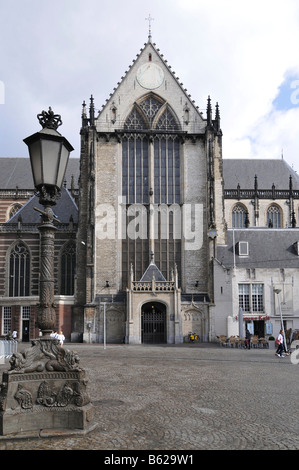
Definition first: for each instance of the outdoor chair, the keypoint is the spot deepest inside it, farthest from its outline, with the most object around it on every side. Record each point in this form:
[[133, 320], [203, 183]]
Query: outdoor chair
[[223, 340]]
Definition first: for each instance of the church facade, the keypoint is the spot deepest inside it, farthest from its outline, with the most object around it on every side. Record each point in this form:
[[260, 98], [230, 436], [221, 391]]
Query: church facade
[[159, 236], [150, 204]]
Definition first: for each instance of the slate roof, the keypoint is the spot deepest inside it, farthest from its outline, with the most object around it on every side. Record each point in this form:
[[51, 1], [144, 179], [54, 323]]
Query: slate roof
[[63, 210], [17, 172], [268, 248], [268, 171]]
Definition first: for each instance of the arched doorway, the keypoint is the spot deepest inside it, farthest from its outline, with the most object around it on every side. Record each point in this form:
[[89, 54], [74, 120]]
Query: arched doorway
[[153, 323]]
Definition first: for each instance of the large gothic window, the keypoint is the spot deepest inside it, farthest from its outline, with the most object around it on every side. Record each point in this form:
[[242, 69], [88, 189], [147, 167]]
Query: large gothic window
[[166, 170], [150, 165], [135, 169], [19, 271], [68, 266]]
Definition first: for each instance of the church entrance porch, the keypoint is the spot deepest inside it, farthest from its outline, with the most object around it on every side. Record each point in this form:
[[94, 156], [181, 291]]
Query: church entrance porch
[[153, 323], [153, 306]]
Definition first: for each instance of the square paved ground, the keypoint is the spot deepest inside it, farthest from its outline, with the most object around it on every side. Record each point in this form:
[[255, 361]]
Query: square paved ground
[[184, 397]]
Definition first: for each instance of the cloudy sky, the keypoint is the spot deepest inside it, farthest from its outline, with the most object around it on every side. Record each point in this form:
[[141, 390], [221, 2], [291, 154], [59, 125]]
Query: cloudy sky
[[244, 54]]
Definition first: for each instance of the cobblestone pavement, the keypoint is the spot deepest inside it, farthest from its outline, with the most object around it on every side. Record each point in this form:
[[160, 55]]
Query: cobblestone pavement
[[183, 397]]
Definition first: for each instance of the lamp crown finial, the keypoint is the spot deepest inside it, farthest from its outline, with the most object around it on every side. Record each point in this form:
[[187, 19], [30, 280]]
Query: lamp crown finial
[[49, 120]]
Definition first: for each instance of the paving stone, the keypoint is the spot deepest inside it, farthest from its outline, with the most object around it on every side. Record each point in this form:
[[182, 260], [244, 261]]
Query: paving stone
[[183, 397]]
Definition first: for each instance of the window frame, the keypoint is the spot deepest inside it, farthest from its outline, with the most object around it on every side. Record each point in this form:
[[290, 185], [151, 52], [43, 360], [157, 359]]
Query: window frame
[[251, 297]]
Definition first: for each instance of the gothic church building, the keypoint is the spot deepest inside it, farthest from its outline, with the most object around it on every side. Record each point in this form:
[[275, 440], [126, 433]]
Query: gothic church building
[[150, 205], [158, 235]]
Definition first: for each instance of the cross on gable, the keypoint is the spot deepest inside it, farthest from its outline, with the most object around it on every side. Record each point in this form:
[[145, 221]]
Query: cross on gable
[[149, 19]]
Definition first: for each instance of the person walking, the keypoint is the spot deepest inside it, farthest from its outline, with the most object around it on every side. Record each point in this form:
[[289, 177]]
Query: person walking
[[248, 338], [280, 348]]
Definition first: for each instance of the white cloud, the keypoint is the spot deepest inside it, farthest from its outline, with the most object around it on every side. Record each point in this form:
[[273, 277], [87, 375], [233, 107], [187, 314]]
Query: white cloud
[[59, 53]]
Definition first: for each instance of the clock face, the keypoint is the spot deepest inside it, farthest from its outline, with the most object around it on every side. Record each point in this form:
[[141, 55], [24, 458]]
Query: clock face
[[150, 76]]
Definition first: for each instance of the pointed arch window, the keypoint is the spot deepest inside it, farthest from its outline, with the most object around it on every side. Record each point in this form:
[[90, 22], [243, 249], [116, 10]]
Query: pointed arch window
[[135, 121], [19, 271], [150, 168], [239, 216], [274, 216], [151, 106], [68, 267], [13, 210], [167, 121]]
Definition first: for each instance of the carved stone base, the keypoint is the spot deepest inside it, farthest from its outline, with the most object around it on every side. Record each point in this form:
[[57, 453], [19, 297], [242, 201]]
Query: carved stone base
[[46, 395]]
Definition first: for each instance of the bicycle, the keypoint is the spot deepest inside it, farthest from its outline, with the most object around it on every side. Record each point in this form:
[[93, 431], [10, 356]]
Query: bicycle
[[193, 337]]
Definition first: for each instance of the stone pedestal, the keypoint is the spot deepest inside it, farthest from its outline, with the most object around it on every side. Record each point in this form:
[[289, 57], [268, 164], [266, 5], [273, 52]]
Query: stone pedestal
[[44, 393]]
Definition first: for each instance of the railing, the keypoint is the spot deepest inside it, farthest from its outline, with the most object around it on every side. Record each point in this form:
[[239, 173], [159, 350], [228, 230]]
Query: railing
[[17, 227], [7, 348], [16, 193], [153, 286], [260, 193]]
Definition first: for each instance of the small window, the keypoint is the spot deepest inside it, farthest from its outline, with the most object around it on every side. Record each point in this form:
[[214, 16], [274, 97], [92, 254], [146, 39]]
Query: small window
[[242, 249], [296, 248], [6, 325], [13, 210], [26, 313], [150, 57]]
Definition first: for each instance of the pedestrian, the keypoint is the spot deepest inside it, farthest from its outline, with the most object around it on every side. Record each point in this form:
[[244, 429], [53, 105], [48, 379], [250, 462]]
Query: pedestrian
[[279, 341], [248, 338], [61, 338], [14, 335]]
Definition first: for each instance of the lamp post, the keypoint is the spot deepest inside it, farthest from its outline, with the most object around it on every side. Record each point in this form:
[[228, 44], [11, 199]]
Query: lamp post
[[104, 319], [49, 153], [277, 292], [44, 391]]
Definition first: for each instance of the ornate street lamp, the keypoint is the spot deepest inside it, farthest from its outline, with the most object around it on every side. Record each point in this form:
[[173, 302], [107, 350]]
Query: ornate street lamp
[[44, 391], [49, 153]]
